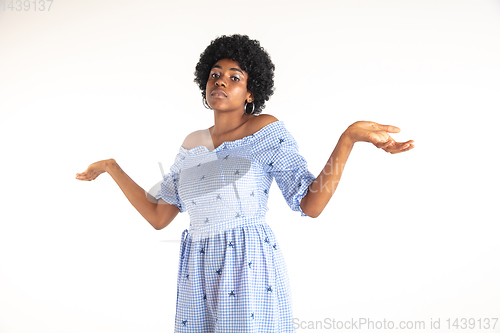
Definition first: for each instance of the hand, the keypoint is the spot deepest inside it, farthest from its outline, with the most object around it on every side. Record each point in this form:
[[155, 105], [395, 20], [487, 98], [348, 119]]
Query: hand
[[94, 170], [369, 131]]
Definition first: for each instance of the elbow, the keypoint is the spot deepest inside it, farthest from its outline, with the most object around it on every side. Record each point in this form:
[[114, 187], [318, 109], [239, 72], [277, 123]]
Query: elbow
[[164, 215], [155, 225], [160, 226], [309, 210], [162, 223], [312, 214]]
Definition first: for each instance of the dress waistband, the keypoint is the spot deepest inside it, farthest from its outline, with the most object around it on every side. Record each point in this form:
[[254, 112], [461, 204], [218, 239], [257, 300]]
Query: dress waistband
[[199, 232]]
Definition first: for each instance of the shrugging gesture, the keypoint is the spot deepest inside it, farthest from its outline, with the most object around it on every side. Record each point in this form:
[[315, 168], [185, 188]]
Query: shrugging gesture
[[93, 171], [322, 189], [369, 131]]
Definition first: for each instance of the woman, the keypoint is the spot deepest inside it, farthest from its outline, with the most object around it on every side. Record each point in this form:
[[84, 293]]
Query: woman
[[232, 275]]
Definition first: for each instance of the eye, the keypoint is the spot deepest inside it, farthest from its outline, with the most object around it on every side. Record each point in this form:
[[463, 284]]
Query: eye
[[236, 78], [214, 75]]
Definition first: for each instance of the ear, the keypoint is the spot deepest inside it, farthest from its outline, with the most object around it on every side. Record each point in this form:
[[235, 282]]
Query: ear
[[249, 98]]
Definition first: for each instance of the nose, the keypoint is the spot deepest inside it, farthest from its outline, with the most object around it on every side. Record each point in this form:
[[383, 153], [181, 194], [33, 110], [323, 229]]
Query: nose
[[220, 82]]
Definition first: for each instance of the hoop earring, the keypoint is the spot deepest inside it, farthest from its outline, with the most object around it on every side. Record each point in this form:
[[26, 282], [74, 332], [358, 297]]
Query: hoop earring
[[253, 108], [205, 103]]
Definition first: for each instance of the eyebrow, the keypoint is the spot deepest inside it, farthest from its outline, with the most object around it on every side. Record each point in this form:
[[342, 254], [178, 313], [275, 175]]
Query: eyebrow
[[231, 69]]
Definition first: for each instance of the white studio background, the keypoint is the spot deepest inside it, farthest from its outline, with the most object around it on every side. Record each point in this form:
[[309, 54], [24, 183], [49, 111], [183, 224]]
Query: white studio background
[[411, 236]]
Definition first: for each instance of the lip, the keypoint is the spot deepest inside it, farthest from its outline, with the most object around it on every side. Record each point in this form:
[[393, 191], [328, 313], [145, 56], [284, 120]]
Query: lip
[[218, 93]]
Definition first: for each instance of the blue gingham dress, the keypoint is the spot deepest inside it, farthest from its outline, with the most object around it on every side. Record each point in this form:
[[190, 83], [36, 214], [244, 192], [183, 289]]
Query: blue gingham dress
[[232, 275]]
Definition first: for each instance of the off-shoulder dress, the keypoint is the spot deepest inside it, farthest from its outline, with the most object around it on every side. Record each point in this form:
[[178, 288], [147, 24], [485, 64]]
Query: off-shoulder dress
[[232, 276]]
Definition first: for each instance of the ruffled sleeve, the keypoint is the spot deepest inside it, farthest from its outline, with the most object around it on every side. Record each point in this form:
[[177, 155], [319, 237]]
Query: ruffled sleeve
[[168, 188], [280, 157]]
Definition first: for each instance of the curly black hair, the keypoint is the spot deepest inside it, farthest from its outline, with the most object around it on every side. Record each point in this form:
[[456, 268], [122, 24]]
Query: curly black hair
[[251, 57]]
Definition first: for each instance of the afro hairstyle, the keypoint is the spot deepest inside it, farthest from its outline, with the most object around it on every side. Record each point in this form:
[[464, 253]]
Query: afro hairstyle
[[251, 57]]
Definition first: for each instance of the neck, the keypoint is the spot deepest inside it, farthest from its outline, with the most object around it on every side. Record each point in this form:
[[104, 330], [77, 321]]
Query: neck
[[228, 121]]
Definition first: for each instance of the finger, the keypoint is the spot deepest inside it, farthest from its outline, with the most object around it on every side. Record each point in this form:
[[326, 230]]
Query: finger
[[386, 144], [395, 147], [402, 145], [389, 128], [83, 176], [410, 147]]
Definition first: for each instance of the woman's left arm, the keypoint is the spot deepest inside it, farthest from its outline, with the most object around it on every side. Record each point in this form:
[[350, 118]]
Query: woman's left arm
[[322, 189]]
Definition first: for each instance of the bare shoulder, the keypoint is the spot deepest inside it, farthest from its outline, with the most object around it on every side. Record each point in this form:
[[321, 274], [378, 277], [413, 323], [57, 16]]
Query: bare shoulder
[[203, 137], [194, 139], [261, 121]]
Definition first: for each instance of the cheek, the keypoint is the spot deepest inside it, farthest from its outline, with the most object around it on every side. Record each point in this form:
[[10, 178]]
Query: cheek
[[242, 89], [242, 94], [208, 87]]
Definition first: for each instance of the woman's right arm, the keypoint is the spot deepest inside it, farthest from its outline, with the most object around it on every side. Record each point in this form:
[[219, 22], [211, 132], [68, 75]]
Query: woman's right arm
[[158, 214]]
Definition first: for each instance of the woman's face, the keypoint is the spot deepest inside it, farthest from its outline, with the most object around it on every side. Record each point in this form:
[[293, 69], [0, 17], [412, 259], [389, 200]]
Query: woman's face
[[227, 87]]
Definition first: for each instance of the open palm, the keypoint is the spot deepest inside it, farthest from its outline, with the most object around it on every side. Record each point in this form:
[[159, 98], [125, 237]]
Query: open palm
[[93, 170], [369, 131]]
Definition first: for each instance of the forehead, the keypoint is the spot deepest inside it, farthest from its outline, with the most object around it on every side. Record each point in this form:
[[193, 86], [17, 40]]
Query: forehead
[[227, 63]]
